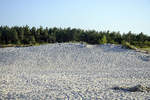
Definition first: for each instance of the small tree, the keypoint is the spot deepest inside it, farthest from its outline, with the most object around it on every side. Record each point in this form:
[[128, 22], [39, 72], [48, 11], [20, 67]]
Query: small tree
[[103, 40], [0, 36], [14, 36], [21, 34]]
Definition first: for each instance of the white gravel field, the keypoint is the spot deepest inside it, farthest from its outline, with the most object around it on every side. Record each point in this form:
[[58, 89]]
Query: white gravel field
[[72, 71]]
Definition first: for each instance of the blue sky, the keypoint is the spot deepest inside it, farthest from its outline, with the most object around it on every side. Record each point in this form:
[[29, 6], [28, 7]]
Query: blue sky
[[113, 15]]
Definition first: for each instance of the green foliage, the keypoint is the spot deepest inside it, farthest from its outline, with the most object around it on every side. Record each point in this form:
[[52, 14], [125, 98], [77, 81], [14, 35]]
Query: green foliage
[[103, 40], [127, 45], [51, 39], [0, 37], [26, 35], [14, 36], [147, 43]]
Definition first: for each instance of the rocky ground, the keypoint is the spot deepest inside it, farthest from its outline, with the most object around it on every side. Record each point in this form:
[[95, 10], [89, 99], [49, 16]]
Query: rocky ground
[[72, 71]]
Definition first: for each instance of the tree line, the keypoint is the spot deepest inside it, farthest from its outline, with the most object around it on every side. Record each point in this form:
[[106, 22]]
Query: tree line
[[33, 35]]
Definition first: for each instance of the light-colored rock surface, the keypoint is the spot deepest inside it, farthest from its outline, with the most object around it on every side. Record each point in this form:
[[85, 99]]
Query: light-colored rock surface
[[72, 72]]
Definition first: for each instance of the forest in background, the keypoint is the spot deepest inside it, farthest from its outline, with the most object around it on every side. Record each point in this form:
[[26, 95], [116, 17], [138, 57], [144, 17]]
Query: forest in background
[[25, 35]]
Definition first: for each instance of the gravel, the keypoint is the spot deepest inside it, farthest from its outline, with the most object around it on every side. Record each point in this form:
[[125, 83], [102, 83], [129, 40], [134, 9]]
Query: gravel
[[72, 71]]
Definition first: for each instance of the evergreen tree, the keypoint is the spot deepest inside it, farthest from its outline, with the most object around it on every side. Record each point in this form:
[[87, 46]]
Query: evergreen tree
[[14, 36], [21, 34], [0, 37], [31, 40]]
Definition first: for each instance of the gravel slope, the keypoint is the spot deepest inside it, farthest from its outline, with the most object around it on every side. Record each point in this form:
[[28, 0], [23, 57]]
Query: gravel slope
[[69, 71]]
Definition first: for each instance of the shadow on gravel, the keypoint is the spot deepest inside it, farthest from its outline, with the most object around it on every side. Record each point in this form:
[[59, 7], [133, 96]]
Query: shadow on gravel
[[115, 49], [137, 88], [145, 58]]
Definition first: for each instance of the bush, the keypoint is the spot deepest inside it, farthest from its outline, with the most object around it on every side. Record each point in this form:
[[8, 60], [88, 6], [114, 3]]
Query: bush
[[103, 40]]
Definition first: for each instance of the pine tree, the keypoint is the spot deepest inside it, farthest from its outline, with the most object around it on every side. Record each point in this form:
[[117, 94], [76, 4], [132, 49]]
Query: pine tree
[[0, 37], [14, 36]]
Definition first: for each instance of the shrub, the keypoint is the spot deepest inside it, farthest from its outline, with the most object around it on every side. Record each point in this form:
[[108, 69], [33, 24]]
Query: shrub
[[103, 40]]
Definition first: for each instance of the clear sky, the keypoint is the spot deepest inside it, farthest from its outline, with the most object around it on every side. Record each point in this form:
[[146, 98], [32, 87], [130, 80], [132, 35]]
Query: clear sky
[[113, 15]]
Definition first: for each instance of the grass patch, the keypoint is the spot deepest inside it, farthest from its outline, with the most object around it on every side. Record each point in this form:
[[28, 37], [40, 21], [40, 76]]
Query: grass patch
[[137, 48], [128, 45], [145, 48]]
